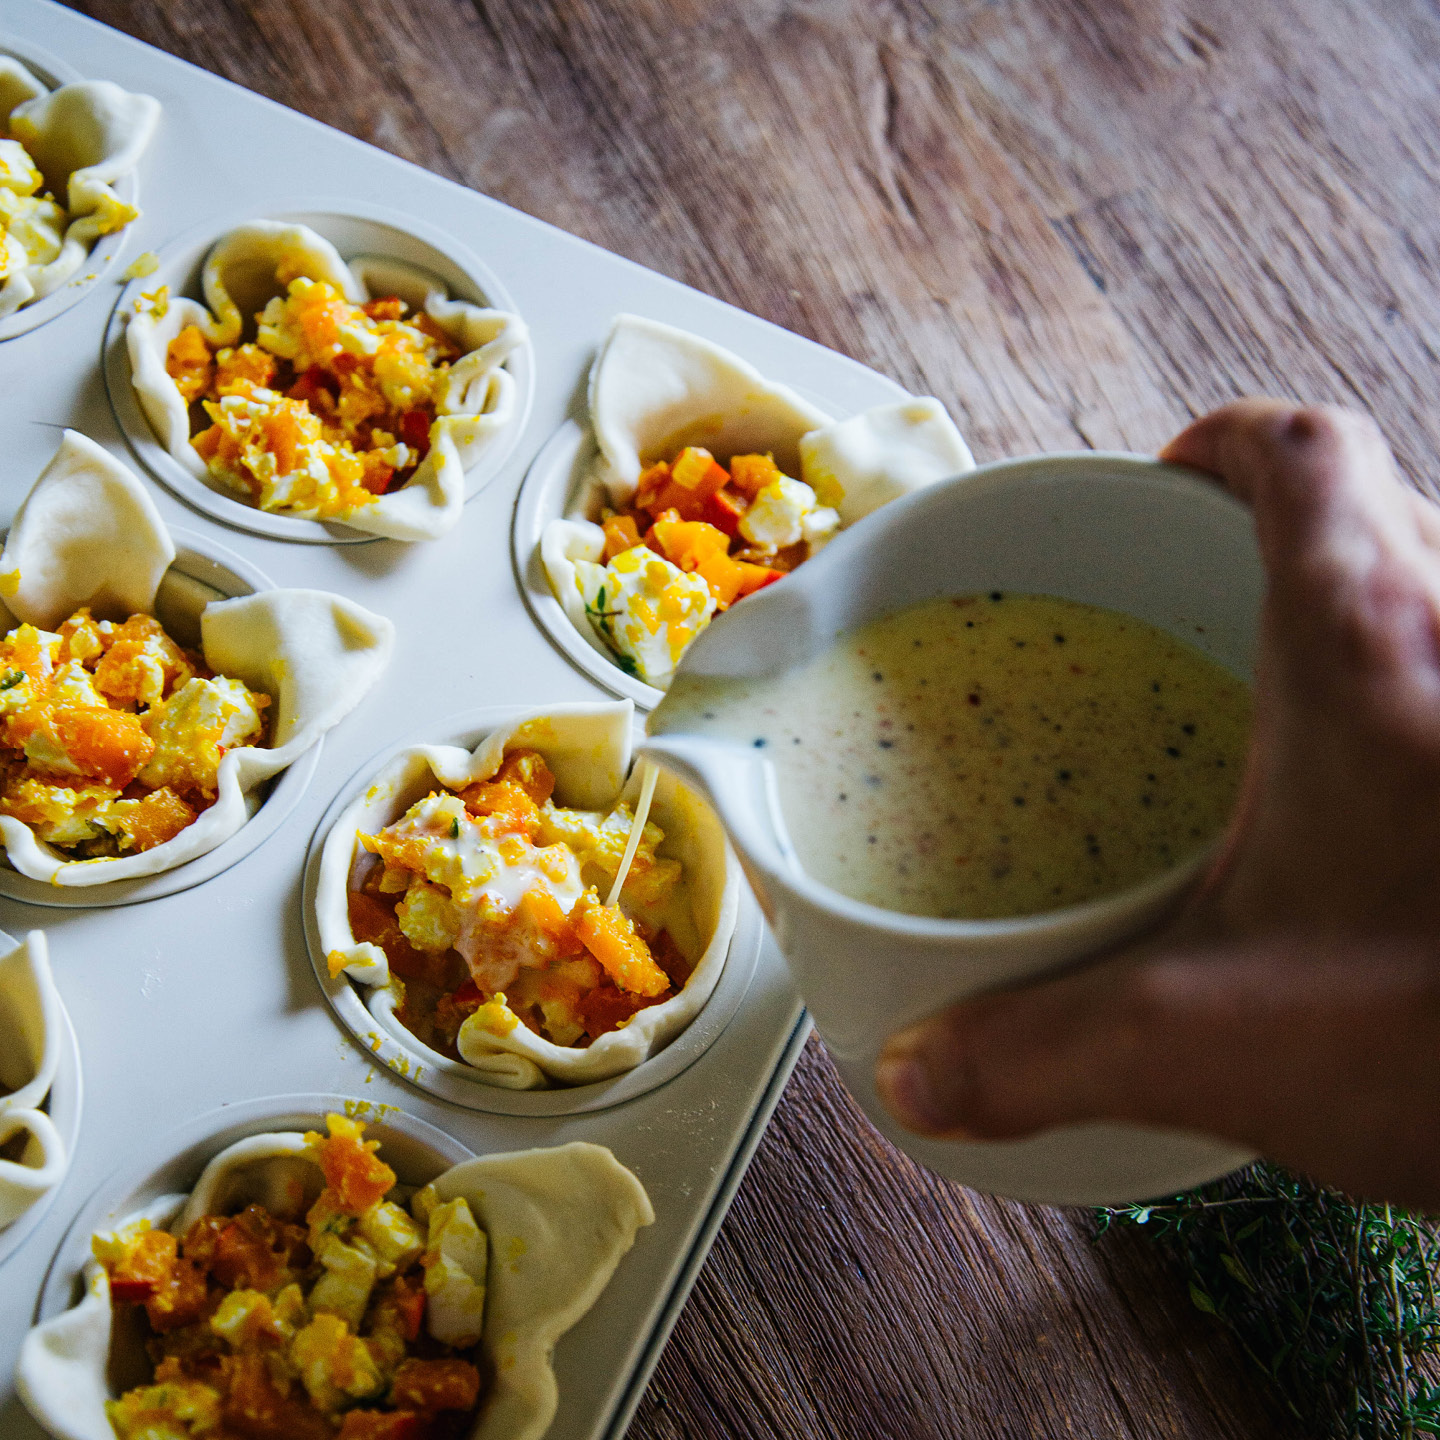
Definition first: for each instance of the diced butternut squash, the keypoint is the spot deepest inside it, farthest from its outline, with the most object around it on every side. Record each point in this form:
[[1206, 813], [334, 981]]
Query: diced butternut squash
[[724, 576], [144, 1263], [694, 469], [621, 534], [652, 480], [755, 577], [189, 364], [688, 543], [609, 935], [540, 913], [108, 745], [158, 817], [528, 770], [511, 809], [388, 307], [207, 442], [245, 365], [684, 485], [750, 474], [353, 1171]]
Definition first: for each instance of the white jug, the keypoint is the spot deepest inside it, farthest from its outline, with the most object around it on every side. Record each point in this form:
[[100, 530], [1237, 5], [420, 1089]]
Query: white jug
[[1118, 531]]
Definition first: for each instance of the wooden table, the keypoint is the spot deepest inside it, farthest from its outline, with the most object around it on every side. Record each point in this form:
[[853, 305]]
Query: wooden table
[[1077, 222]]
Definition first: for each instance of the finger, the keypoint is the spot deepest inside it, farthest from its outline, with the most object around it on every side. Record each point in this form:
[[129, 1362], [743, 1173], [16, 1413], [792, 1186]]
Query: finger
[[1324, 1059], [1309, 473], [1353, 583]]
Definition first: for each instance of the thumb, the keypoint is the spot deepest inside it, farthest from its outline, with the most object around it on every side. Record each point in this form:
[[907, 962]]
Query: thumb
[[1324, 1056], [1016, 1061]]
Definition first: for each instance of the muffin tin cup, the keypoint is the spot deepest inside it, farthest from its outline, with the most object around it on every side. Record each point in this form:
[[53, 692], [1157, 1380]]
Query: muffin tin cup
[[202, 559], [371, 1024], [558, 484], [63, 1106], [355, 230], [107, 250]]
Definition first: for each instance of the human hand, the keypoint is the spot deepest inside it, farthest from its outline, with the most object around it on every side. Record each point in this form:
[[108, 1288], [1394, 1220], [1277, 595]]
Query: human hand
[[1294, 1004]]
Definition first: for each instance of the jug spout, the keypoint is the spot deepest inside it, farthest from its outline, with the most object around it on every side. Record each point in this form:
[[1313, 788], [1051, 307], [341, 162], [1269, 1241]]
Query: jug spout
[[740, 786]]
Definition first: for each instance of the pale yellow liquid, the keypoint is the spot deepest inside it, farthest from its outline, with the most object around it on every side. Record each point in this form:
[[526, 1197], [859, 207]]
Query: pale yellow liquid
[[990, 755]]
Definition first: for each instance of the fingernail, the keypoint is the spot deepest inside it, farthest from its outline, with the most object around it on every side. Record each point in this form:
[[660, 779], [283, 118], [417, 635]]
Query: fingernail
[[907, 1089]]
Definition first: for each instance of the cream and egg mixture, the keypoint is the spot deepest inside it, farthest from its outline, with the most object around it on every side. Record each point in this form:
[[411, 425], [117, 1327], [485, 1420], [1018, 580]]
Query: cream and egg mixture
[[111, 735], [486, 904], [328, 409], [357, 1319], [990, 755]]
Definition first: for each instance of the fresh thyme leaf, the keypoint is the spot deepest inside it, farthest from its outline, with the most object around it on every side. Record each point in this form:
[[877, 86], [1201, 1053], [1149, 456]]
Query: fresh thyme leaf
[[1201, 1300], [12, 679], [1333, 1302], [454, 829]]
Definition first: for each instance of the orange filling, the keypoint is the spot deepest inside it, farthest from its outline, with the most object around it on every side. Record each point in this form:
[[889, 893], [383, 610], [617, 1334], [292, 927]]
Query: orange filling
[[587, 971], [80, 761], [238, 1351], [358, 423], [689, 509]]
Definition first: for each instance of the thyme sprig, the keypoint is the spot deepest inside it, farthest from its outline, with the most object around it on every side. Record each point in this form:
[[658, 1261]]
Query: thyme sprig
[[1333, 1302]]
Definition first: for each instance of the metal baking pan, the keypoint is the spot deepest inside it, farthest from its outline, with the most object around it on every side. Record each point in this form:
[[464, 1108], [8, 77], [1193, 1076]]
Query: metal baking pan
[[205, 996]]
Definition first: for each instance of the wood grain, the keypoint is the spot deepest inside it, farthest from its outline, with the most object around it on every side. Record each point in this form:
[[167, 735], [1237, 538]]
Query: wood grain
[[1078, 223]]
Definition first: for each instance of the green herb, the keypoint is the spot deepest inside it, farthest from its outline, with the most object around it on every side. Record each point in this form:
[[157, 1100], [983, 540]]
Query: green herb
[[1333, 1302], [12, 679], [454, 828], [603, 619]]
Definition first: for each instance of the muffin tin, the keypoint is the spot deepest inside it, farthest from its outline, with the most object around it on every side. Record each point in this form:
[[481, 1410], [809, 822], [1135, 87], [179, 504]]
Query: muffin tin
[[204, 997]]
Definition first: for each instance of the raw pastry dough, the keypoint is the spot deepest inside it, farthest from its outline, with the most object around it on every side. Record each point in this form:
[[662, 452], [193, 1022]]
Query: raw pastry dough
[[558, 1220], [587, 747], [255, 262], [655, 389], [84, 137], [882, 454], [88, 534]]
